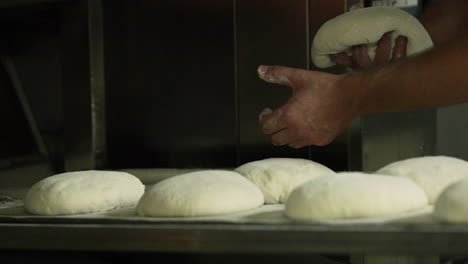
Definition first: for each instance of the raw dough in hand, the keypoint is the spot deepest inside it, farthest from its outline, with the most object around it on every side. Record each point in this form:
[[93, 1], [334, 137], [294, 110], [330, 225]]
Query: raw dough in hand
[[201, 193], [452, 204], [367, 26], [354, 195], [432, 173], [278, 177], [83, 192]]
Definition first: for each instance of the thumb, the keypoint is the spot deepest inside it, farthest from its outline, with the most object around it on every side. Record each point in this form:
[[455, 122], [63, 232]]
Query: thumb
[[282, 75]]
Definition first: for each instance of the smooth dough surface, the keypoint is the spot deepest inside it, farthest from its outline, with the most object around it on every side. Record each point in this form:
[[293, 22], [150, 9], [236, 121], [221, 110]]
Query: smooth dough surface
[[432, 173], [201, 193], [278, 177], [83, 192], [367, 26], [452, 204], [354, 195]]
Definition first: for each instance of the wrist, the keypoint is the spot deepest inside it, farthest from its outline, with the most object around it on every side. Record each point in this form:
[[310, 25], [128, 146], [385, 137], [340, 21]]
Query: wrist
[[354, 84]]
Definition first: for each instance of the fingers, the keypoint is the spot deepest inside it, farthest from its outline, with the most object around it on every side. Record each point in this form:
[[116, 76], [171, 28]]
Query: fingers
[[399, 51], [342, 59], [317, 141], [294, 140], [384, 47], [298, 144], [361, 57], [274, 122], [282, 75], [265, 111], [282, 137]]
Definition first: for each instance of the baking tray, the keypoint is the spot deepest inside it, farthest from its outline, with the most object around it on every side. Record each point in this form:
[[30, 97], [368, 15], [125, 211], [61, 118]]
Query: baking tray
[[265, 229], [262, 230]]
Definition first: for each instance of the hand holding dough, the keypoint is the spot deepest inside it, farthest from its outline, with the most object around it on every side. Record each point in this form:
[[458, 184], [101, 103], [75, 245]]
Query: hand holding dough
[[367, 26]]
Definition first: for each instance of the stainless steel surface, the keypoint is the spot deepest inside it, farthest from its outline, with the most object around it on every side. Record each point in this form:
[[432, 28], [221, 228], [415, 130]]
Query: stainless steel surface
[[217, 238], [390, 137], [83, 82], [97, 82], [452, 131]]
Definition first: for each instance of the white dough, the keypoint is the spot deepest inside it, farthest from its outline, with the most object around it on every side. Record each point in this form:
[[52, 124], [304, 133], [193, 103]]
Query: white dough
[[278, 177], [354, 195], [432, 173], [366, 26], [201, 193], [452, 204], [83, 192]]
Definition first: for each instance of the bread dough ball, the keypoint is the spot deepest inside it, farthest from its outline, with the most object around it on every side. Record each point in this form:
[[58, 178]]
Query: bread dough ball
[[354, 195], [278, 177], [367, 26], [83, 192], [201, 193], [150, 176], [452, 204], [432, 173]]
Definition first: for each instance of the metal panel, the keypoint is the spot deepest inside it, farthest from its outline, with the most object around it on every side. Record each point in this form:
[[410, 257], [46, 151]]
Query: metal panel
[[274, 33], [452, 131], [389, 137], [232, 238], [83, 82], [175, 103]]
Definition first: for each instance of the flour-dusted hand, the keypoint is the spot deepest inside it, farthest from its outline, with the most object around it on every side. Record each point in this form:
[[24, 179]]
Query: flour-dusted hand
[[316, 112]]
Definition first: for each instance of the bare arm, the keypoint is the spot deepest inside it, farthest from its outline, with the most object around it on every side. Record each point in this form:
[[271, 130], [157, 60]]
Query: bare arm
[[436, 78], [323, 104]]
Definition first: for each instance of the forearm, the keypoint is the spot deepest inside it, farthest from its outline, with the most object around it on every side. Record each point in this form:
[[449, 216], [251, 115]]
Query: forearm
[[445, 20], [436, 78]]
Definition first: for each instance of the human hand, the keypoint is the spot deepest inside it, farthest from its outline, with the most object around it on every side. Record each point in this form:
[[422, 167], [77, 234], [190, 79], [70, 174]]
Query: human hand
[[360, 59], [319, 108]]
